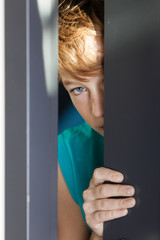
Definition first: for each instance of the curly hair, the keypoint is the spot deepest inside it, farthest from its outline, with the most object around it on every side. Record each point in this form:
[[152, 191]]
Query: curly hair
[[80, 22]]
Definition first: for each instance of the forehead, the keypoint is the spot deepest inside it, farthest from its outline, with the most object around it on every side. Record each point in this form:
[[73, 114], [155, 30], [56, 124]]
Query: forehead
[[68, 79]]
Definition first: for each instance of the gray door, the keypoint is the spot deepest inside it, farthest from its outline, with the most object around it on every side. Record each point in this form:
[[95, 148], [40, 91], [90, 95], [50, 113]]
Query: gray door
[[132, 111]]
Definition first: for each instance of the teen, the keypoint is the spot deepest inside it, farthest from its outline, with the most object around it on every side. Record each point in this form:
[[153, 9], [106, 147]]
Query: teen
[[84, 202]]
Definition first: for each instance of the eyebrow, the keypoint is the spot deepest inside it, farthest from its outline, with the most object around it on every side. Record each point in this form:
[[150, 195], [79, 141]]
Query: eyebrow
[[80, 79], [67, 83]]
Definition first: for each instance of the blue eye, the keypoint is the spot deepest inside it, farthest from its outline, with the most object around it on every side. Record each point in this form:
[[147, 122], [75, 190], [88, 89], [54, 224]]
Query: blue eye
[[78, 90]]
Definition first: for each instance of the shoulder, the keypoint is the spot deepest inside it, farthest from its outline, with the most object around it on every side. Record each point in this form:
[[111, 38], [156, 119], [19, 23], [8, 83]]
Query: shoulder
[[81, 131], [70, 145], [75, 138], [79, 136]]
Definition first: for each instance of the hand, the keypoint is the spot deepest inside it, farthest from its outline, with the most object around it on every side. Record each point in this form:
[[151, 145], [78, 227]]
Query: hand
[[99, 206]]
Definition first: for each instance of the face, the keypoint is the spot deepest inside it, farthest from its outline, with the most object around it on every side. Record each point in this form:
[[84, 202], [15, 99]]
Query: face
[[88, 98], [88, 95]]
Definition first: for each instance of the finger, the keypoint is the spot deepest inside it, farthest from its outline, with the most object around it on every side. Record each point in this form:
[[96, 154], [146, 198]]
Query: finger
[[108, 204], [108, 190], [100, 175], [103, 216]]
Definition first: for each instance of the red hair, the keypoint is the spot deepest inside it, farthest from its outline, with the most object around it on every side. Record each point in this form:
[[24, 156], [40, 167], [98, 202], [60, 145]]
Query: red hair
[[79, 24]]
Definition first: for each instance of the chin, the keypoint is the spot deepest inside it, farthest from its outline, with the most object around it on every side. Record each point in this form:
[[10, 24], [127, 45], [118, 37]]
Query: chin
[[100, 131]]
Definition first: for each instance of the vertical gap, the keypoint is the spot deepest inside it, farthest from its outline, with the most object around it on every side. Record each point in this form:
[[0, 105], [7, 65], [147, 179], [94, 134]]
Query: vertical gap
[[28, 117], [2, 124]]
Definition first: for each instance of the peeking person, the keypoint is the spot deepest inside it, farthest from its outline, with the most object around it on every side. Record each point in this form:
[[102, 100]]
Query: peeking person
[[84, 202]]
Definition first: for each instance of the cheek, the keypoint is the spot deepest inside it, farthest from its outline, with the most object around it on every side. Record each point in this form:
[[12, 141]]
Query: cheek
[[80, 102], [82, 107]]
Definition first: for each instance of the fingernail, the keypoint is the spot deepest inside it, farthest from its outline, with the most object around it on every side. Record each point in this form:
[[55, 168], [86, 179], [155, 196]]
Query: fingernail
[[130, 202], [123, 212], [118, 177], [129, 191]]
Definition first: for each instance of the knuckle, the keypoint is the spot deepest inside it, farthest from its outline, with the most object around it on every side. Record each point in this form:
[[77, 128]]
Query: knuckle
[[100, 216], [121, 203], [86, 207], [120, 190], [111, 214], [101, 168], [96, 173], [102, 204], [85, 194], [102, 190], [110, 175]]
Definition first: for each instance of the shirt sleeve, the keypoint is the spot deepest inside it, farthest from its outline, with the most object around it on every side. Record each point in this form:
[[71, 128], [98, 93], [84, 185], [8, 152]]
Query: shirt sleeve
[[65, 164]]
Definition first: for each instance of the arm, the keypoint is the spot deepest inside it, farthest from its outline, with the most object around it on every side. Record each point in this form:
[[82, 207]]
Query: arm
[[70, 222]]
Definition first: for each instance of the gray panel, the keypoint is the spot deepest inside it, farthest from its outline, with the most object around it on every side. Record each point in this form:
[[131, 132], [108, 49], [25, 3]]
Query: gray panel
[[31, 129], [132, 111], [43, 138], [15, 113]]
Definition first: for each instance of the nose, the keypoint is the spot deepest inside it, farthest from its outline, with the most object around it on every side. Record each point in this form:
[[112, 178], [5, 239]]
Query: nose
[[98, 103]]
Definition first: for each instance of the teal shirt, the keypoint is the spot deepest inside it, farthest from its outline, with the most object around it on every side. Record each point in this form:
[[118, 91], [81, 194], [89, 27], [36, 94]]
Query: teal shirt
[[80, 151]]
